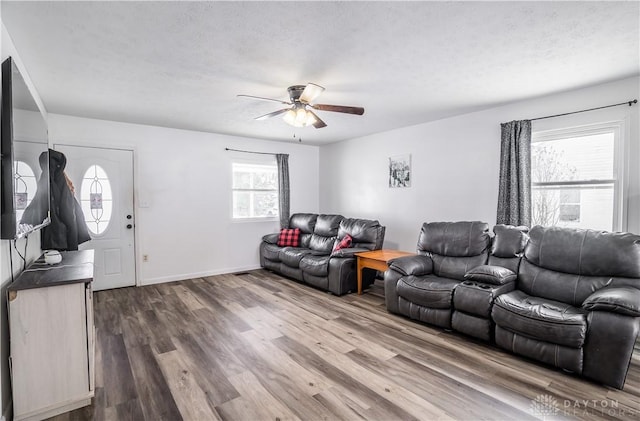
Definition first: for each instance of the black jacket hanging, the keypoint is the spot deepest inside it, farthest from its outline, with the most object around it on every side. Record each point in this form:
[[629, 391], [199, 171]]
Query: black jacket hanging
[[68, 228], [36, 212]]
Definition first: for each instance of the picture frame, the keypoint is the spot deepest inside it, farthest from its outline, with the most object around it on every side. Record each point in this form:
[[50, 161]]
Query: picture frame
[[400, 171]]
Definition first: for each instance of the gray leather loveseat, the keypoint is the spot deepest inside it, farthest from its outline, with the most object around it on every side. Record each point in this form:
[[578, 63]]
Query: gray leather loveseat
[[314, 262], [565, 297]]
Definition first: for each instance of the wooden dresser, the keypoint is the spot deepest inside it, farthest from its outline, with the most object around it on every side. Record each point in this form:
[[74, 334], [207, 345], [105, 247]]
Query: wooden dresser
[[52, 337]]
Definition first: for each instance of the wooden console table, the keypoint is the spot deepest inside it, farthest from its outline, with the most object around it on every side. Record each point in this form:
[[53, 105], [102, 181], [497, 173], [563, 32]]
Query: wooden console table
[[52, 336], [376, 259]]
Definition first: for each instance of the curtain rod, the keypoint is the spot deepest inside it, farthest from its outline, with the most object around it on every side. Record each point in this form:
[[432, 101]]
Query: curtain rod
[[630, 103], [259, 153]]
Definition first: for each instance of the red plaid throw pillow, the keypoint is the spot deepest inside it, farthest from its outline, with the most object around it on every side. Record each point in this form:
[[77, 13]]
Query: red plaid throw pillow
[[289, 237], [343, 244]]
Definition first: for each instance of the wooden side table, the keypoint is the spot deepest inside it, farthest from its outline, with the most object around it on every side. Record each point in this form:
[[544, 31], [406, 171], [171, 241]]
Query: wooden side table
[[376, 259]]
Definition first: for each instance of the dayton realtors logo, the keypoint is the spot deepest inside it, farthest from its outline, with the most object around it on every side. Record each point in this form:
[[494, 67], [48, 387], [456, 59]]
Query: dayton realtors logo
[[544, 406], [547, 406]]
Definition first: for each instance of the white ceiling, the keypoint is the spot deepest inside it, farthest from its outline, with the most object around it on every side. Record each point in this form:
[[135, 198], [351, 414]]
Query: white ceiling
[[181, 64]]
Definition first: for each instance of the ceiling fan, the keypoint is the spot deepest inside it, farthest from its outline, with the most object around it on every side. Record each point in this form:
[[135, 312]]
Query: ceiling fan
[[299, 113]]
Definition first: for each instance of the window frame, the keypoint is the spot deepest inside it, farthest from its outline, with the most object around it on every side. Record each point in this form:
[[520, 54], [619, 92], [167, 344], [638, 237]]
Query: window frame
[[620, 165], [266, 160]]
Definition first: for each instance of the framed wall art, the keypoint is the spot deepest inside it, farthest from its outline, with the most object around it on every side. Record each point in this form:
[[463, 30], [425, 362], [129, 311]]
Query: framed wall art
[[400, 171]]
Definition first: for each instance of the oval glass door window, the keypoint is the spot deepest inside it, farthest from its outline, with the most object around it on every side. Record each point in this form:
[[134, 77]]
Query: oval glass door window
[[96, 199], [24, 185]]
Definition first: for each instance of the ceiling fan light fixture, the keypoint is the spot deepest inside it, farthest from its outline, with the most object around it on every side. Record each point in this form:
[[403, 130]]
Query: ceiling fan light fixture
[[300, 114], [296, 118], [311, 92], [310, 119], [299, 117]]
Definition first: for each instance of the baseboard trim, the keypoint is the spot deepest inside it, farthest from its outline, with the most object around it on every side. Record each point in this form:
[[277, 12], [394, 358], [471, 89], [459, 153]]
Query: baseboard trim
[[7, 414], [184, 276]]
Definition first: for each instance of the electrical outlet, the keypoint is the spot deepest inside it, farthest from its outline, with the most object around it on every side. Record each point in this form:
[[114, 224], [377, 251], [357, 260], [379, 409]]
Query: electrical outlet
[[145, 257]]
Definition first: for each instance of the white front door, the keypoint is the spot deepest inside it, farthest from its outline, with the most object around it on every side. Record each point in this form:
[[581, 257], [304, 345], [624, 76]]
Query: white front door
[[103, 181]]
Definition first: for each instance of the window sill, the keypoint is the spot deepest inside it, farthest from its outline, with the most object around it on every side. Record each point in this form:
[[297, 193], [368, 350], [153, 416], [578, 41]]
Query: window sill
[[245, 220]]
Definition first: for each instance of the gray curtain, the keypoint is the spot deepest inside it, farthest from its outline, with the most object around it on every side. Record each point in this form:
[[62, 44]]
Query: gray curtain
[[514, 192], [283, 188]]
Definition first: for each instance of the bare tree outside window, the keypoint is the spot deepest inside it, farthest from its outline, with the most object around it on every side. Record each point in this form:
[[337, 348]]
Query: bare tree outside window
[[574, 177], [548, 165]]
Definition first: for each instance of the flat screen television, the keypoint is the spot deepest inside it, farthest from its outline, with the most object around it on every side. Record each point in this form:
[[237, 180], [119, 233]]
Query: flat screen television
[[25, 158]]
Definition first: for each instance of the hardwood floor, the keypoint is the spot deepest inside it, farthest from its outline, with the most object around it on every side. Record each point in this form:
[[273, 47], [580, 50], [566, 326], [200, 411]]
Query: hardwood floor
[[257, 346]]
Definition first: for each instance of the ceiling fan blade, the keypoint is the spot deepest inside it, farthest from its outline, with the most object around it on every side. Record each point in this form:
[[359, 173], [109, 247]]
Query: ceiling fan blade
[[273, 114], [319, 123], [266, 99], [339, 109], [311, 92]]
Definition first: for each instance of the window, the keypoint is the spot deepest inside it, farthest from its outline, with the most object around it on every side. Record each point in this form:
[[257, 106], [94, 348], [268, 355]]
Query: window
[[255, 190], [576, 178], [96, 199]]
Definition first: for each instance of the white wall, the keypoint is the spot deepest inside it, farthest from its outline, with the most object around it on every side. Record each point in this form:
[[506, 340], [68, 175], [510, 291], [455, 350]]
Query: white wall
[[455, 163], [9, 253], [185, 178]]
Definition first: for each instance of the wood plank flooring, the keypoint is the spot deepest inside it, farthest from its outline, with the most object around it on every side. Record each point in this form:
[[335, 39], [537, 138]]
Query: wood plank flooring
[[256, 346]]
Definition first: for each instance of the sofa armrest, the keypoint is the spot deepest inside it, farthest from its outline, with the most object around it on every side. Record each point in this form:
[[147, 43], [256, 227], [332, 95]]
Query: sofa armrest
[[621, 300], [412, 265], [348, 252], [271, 238], [489, 274]]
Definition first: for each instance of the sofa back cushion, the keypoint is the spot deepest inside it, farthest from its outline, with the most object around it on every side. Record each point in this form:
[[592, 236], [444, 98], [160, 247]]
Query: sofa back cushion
[[456, 267], [328, 225], [325, 233], [455, 247], [567, 264], [454, 239], [508, 245], [306, 222], [365, 233], [584, 252]]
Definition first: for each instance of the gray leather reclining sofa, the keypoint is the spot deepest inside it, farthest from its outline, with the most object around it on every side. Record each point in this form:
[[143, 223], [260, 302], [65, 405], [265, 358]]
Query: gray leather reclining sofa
[[565, 297], [313, 261]]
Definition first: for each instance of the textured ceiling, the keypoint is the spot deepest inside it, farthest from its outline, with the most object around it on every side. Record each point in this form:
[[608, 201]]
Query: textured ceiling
[[181, 64]]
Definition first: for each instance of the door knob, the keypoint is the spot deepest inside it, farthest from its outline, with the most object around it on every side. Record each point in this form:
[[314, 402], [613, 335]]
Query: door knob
[[129, 226], [129, 217]]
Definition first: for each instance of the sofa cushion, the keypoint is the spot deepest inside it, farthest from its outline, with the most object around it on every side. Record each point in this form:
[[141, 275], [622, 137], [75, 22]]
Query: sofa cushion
[[454, 239], [271, 252], [305, 221], [565, 287], [328, 225], [427, 291], [456, 267], [321, 244], [289, 237], [584, 252], [540, 318], [315, 265], [364, 232], [509, 241], [291, 256]]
